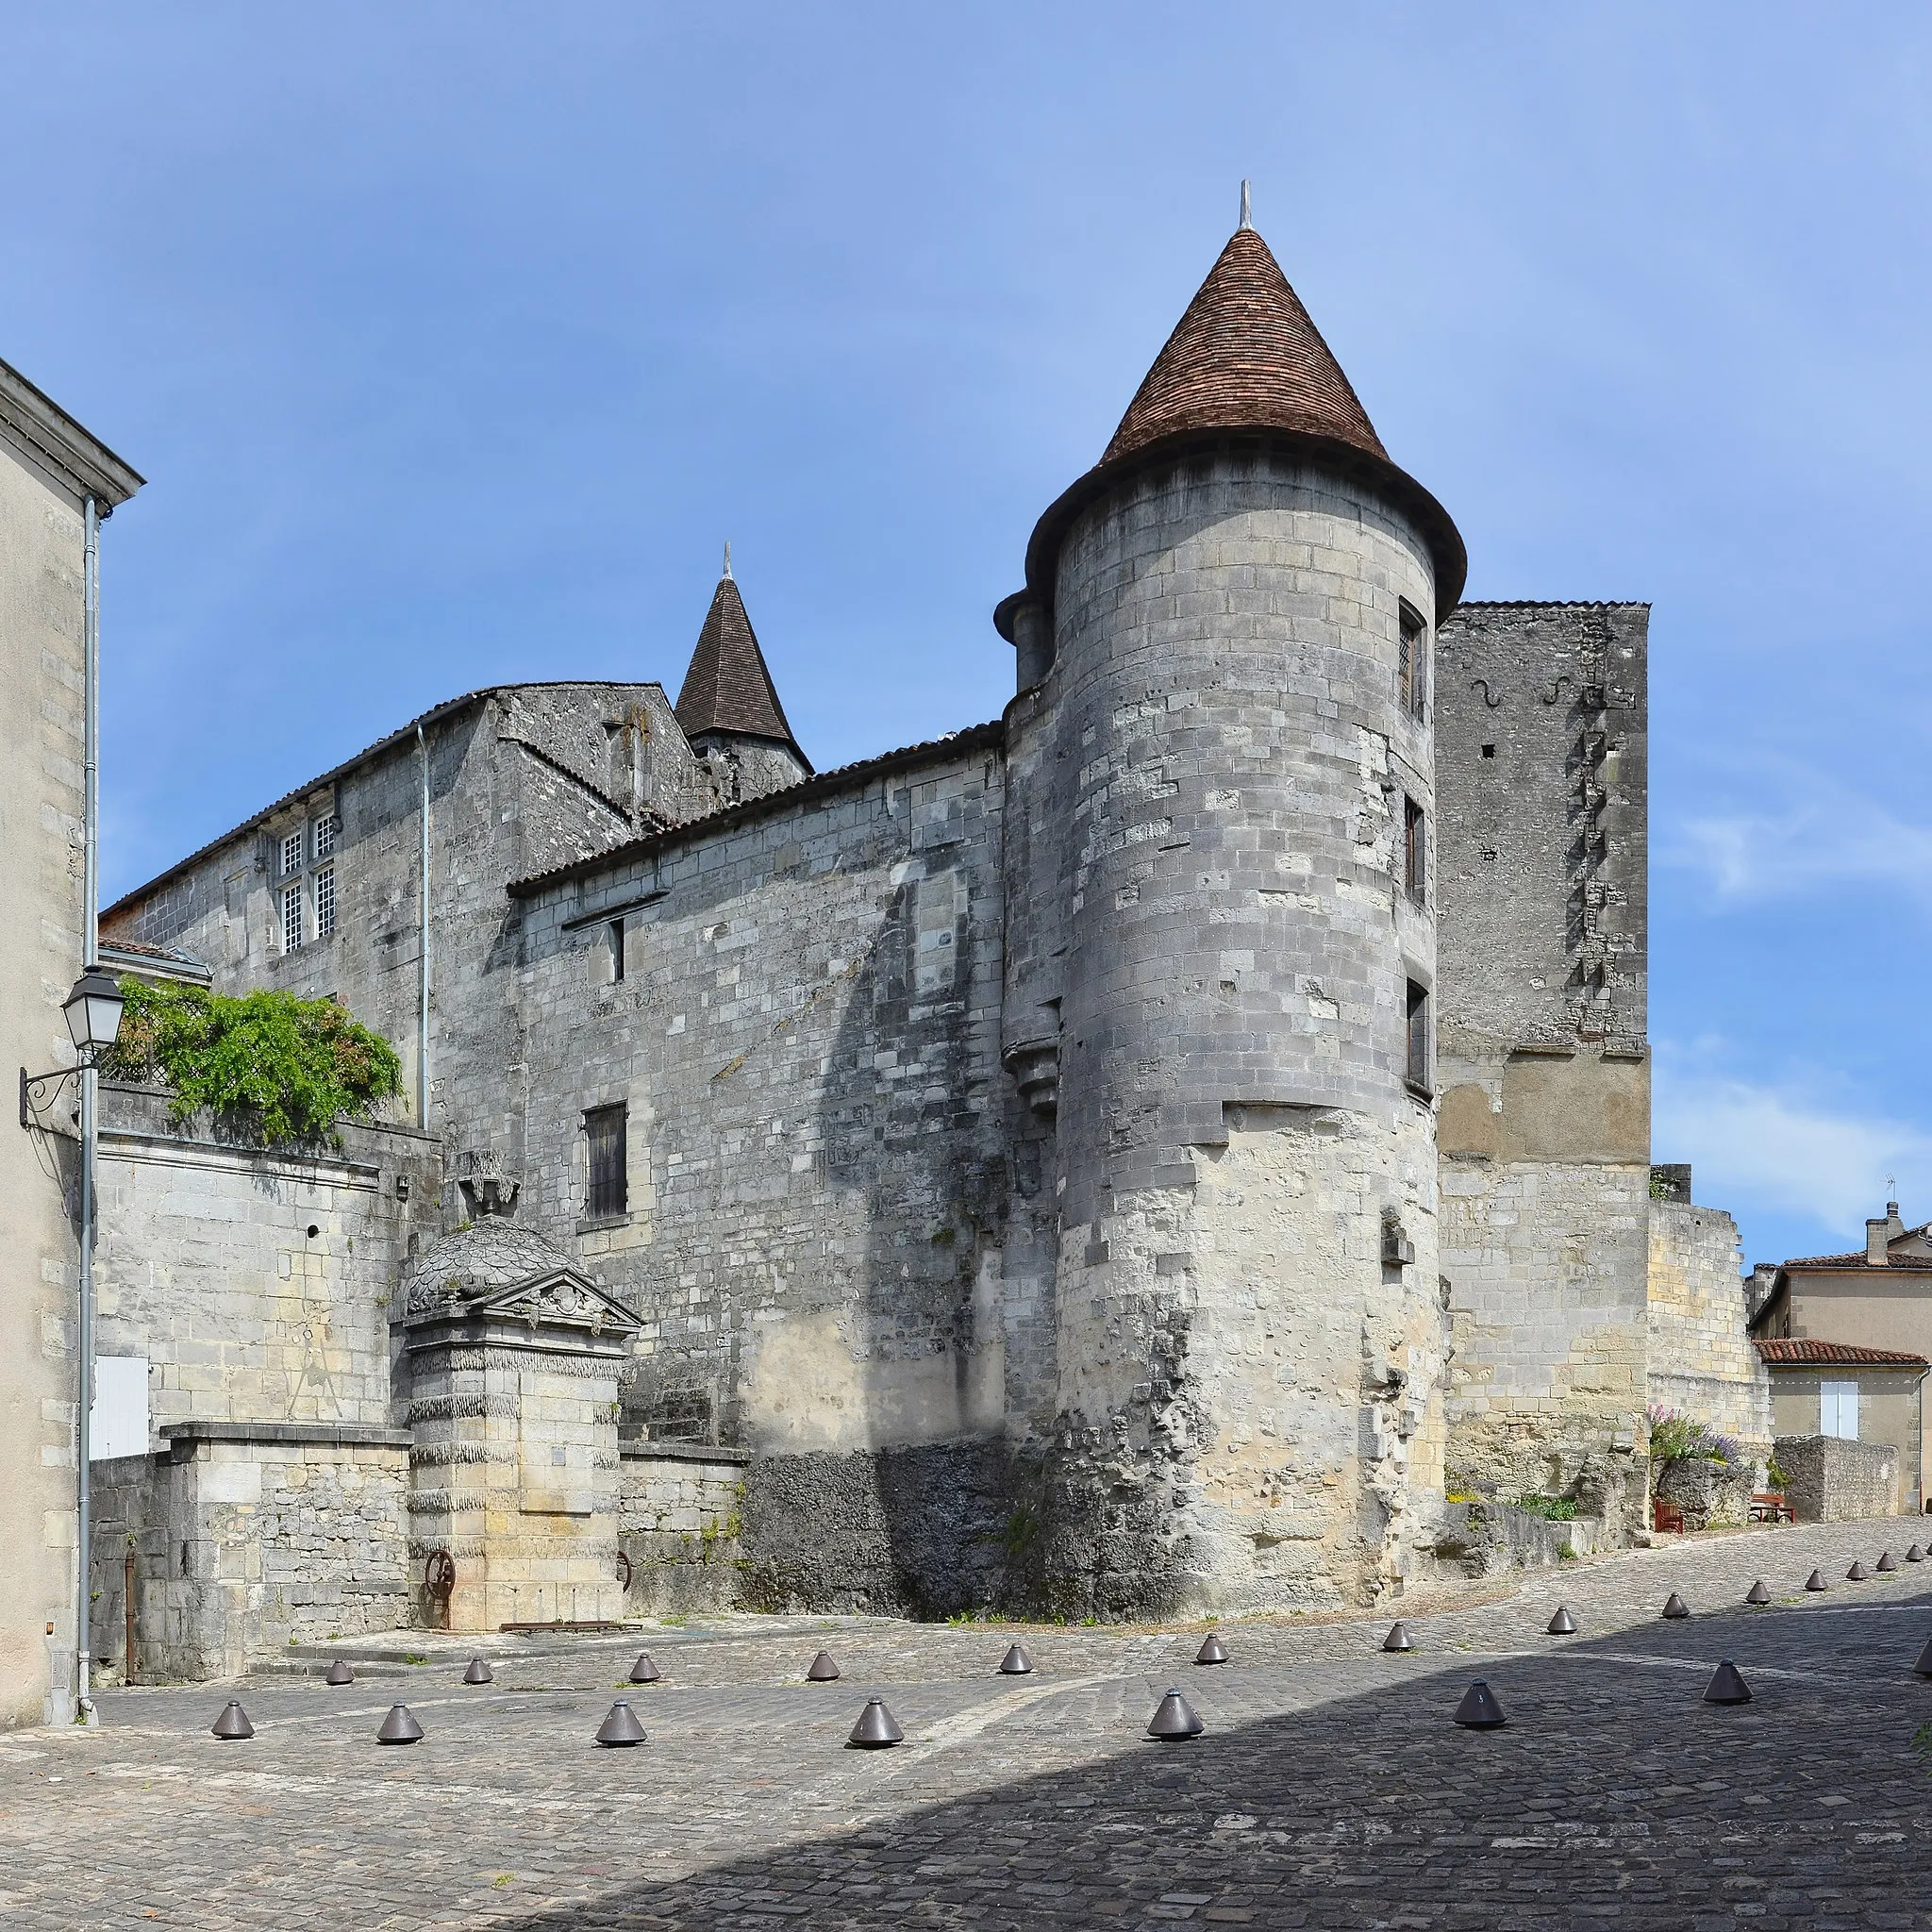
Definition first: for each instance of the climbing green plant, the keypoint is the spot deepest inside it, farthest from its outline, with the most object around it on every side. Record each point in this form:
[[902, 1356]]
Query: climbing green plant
[[268, 1066]]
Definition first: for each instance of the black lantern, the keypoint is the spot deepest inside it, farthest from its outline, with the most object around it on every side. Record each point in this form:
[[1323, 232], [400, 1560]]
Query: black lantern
[[93, 1014]]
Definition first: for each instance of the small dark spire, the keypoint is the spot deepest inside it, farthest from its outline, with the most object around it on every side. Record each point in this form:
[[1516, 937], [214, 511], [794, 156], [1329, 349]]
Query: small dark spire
[[728, 688]]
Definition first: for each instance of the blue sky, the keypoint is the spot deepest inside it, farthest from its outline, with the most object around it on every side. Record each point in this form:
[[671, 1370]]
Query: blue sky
[[454, 340]]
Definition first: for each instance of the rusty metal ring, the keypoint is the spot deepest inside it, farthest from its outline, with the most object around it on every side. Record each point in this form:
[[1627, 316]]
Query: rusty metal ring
[[440, 1572], [623, 1569]]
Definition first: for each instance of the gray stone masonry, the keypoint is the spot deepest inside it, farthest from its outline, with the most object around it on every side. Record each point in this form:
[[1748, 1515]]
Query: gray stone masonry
[[679, 1517], [1832, 1480], [1702, 1360], [1545, 1115]]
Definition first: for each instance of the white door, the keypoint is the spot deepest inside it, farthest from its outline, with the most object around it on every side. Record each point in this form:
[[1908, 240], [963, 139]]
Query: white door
[[1838, 1409]]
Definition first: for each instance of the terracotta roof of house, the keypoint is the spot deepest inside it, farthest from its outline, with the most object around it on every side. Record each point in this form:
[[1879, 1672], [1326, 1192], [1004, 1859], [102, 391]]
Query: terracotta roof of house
[[1921, 1264], [1245, 355], [728, 687], [1787, 1352], [1246, 363]]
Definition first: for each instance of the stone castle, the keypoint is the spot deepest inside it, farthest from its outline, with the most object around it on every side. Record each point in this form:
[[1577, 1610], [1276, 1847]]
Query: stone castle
[[1166, 1149]]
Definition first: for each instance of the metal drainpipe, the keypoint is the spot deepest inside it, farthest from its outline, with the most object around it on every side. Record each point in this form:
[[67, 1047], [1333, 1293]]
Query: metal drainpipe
[[423, 1007], [89, 1095]]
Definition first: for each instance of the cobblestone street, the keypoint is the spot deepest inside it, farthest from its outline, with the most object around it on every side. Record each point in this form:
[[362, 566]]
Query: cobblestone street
[[1331, 1787]]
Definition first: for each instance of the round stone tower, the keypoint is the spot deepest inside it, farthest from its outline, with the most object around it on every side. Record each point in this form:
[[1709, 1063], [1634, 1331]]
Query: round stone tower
[[1221, 951]]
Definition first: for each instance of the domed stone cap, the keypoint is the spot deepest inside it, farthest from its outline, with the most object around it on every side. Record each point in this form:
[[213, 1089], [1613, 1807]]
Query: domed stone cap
[[485, 1254], [1245, 355]]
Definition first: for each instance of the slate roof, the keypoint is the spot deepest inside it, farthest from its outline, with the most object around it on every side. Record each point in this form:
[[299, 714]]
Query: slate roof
[[728, 687], [1245, 355], [1786, 1352]]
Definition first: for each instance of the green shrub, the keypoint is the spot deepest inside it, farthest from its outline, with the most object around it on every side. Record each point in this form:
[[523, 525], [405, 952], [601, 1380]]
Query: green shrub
[[1776, 1477], [269, 1066], [1553, 1508]]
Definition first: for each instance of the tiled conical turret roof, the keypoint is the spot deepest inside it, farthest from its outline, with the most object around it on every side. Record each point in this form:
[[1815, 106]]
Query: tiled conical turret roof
[[1245, 355], [727, 687]]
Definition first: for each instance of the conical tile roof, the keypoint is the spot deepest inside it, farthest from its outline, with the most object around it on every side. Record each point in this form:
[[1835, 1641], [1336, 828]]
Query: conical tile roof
[[1245, 355], [727, 687], [1245, 361]]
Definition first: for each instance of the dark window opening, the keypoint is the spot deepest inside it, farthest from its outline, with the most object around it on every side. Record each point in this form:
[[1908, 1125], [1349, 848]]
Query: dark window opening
[[617, 949], [1488, 751], [604, 1134], [1415, 850], [1417, 1072], [1412, 661]]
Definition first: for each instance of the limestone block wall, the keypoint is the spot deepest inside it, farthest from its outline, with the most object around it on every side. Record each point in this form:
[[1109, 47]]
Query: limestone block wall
[[1831, 1480], [257, 1285], [680, 1513], [247, 1539], [1210, 790], [1541, 734], [1700, 1359]]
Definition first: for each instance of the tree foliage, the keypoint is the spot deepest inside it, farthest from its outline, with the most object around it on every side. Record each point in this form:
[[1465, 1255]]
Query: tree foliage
[[268, 1066]]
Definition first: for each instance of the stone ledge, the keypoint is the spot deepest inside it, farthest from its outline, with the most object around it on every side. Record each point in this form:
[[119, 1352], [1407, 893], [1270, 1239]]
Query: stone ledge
[[182, 1437], [681, 1452]]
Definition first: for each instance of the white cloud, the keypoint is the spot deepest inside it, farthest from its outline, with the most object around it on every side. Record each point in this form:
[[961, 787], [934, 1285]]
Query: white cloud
[[1826, 836], [1771, 1148]]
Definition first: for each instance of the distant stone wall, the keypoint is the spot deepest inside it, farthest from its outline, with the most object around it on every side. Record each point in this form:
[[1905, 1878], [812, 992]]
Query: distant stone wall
[[1702, 1360], [246, 1541], [679, 1517], [1833, 1480]]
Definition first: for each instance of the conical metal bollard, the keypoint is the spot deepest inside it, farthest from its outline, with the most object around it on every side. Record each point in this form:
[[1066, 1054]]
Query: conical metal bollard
[[876, 1729], [1816, 1581], [1726, 1686], [339, 1672], [1916, 1554], [1562, 1624], [1398, 1637], [822, 1671], [1174, 1720], [1016, 1663], [1674, 1607], [644, 1671], [399, 1728], [479, 1672], [1479, 1710], [1924, 1667], [1213, 1651], [1886, 1565], [1857, 1573], [233, 1721], [621, 1726], [1757, 1593]]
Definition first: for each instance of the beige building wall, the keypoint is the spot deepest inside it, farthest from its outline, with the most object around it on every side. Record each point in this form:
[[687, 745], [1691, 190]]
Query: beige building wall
[[1891, 1410], [48, 463]]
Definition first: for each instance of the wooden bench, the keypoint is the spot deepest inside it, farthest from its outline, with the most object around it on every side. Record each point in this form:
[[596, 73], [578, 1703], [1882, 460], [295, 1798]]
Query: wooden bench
[[1665, 1517], [1772, 1506]]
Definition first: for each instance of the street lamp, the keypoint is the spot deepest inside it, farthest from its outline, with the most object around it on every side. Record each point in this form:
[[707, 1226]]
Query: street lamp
[[94, 1015]]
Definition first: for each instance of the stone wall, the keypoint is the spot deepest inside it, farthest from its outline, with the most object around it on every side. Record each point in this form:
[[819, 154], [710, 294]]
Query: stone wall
[[247, 1539], [1832, 1480], [1702, 1361], [680, 1515], [1545, 1119], [806, 1040]]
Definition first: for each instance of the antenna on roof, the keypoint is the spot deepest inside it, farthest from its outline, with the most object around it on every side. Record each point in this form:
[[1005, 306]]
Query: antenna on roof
[[727, 556], [1247, 222]]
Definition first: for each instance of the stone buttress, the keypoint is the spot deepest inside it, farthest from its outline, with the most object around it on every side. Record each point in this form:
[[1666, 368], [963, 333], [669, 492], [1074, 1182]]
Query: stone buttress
[[1221, 947]]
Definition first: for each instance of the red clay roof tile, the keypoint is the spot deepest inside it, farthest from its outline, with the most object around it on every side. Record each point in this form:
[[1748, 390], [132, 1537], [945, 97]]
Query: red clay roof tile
[[1839, 1354]]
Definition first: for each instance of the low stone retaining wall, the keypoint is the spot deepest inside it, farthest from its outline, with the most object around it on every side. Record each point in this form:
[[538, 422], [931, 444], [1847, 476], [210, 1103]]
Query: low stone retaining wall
[[1831, 1480], [679, 1523]]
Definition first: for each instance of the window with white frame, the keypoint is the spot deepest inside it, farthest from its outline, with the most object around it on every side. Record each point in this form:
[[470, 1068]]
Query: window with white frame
[[1838, 1406], [309, 894]]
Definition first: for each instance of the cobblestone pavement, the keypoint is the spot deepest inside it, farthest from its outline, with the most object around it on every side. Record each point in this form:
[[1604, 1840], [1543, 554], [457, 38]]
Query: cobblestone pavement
[[1331, 1787]]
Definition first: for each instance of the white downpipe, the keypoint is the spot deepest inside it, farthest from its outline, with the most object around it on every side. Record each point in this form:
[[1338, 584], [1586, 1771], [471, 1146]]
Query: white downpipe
[[89, 1094]]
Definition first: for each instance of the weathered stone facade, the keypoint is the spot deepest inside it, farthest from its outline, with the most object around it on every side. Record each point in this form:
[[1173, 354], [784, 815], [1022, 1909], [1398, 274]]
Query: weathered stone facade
[[1007, 1169], [1702, 1361]]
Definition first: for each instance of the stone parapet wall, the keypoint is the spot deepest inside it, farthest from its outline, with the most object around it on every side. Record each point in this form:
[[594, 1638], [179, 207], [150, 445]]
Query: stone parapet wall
[[680, 1511], [1702, 1360], [247, 1541], [1833, 1480]]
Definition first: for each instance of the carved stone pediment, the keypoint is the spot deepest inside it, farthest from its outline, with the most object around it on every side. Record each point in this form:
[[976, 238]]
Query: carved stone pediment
[[562, 1297]]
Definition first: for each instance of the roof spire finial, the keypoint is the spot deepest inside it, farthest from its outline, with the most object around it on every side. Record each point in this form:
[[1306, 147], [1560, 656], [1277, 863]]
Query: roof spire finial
[[1246, 220], [727, 556]]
